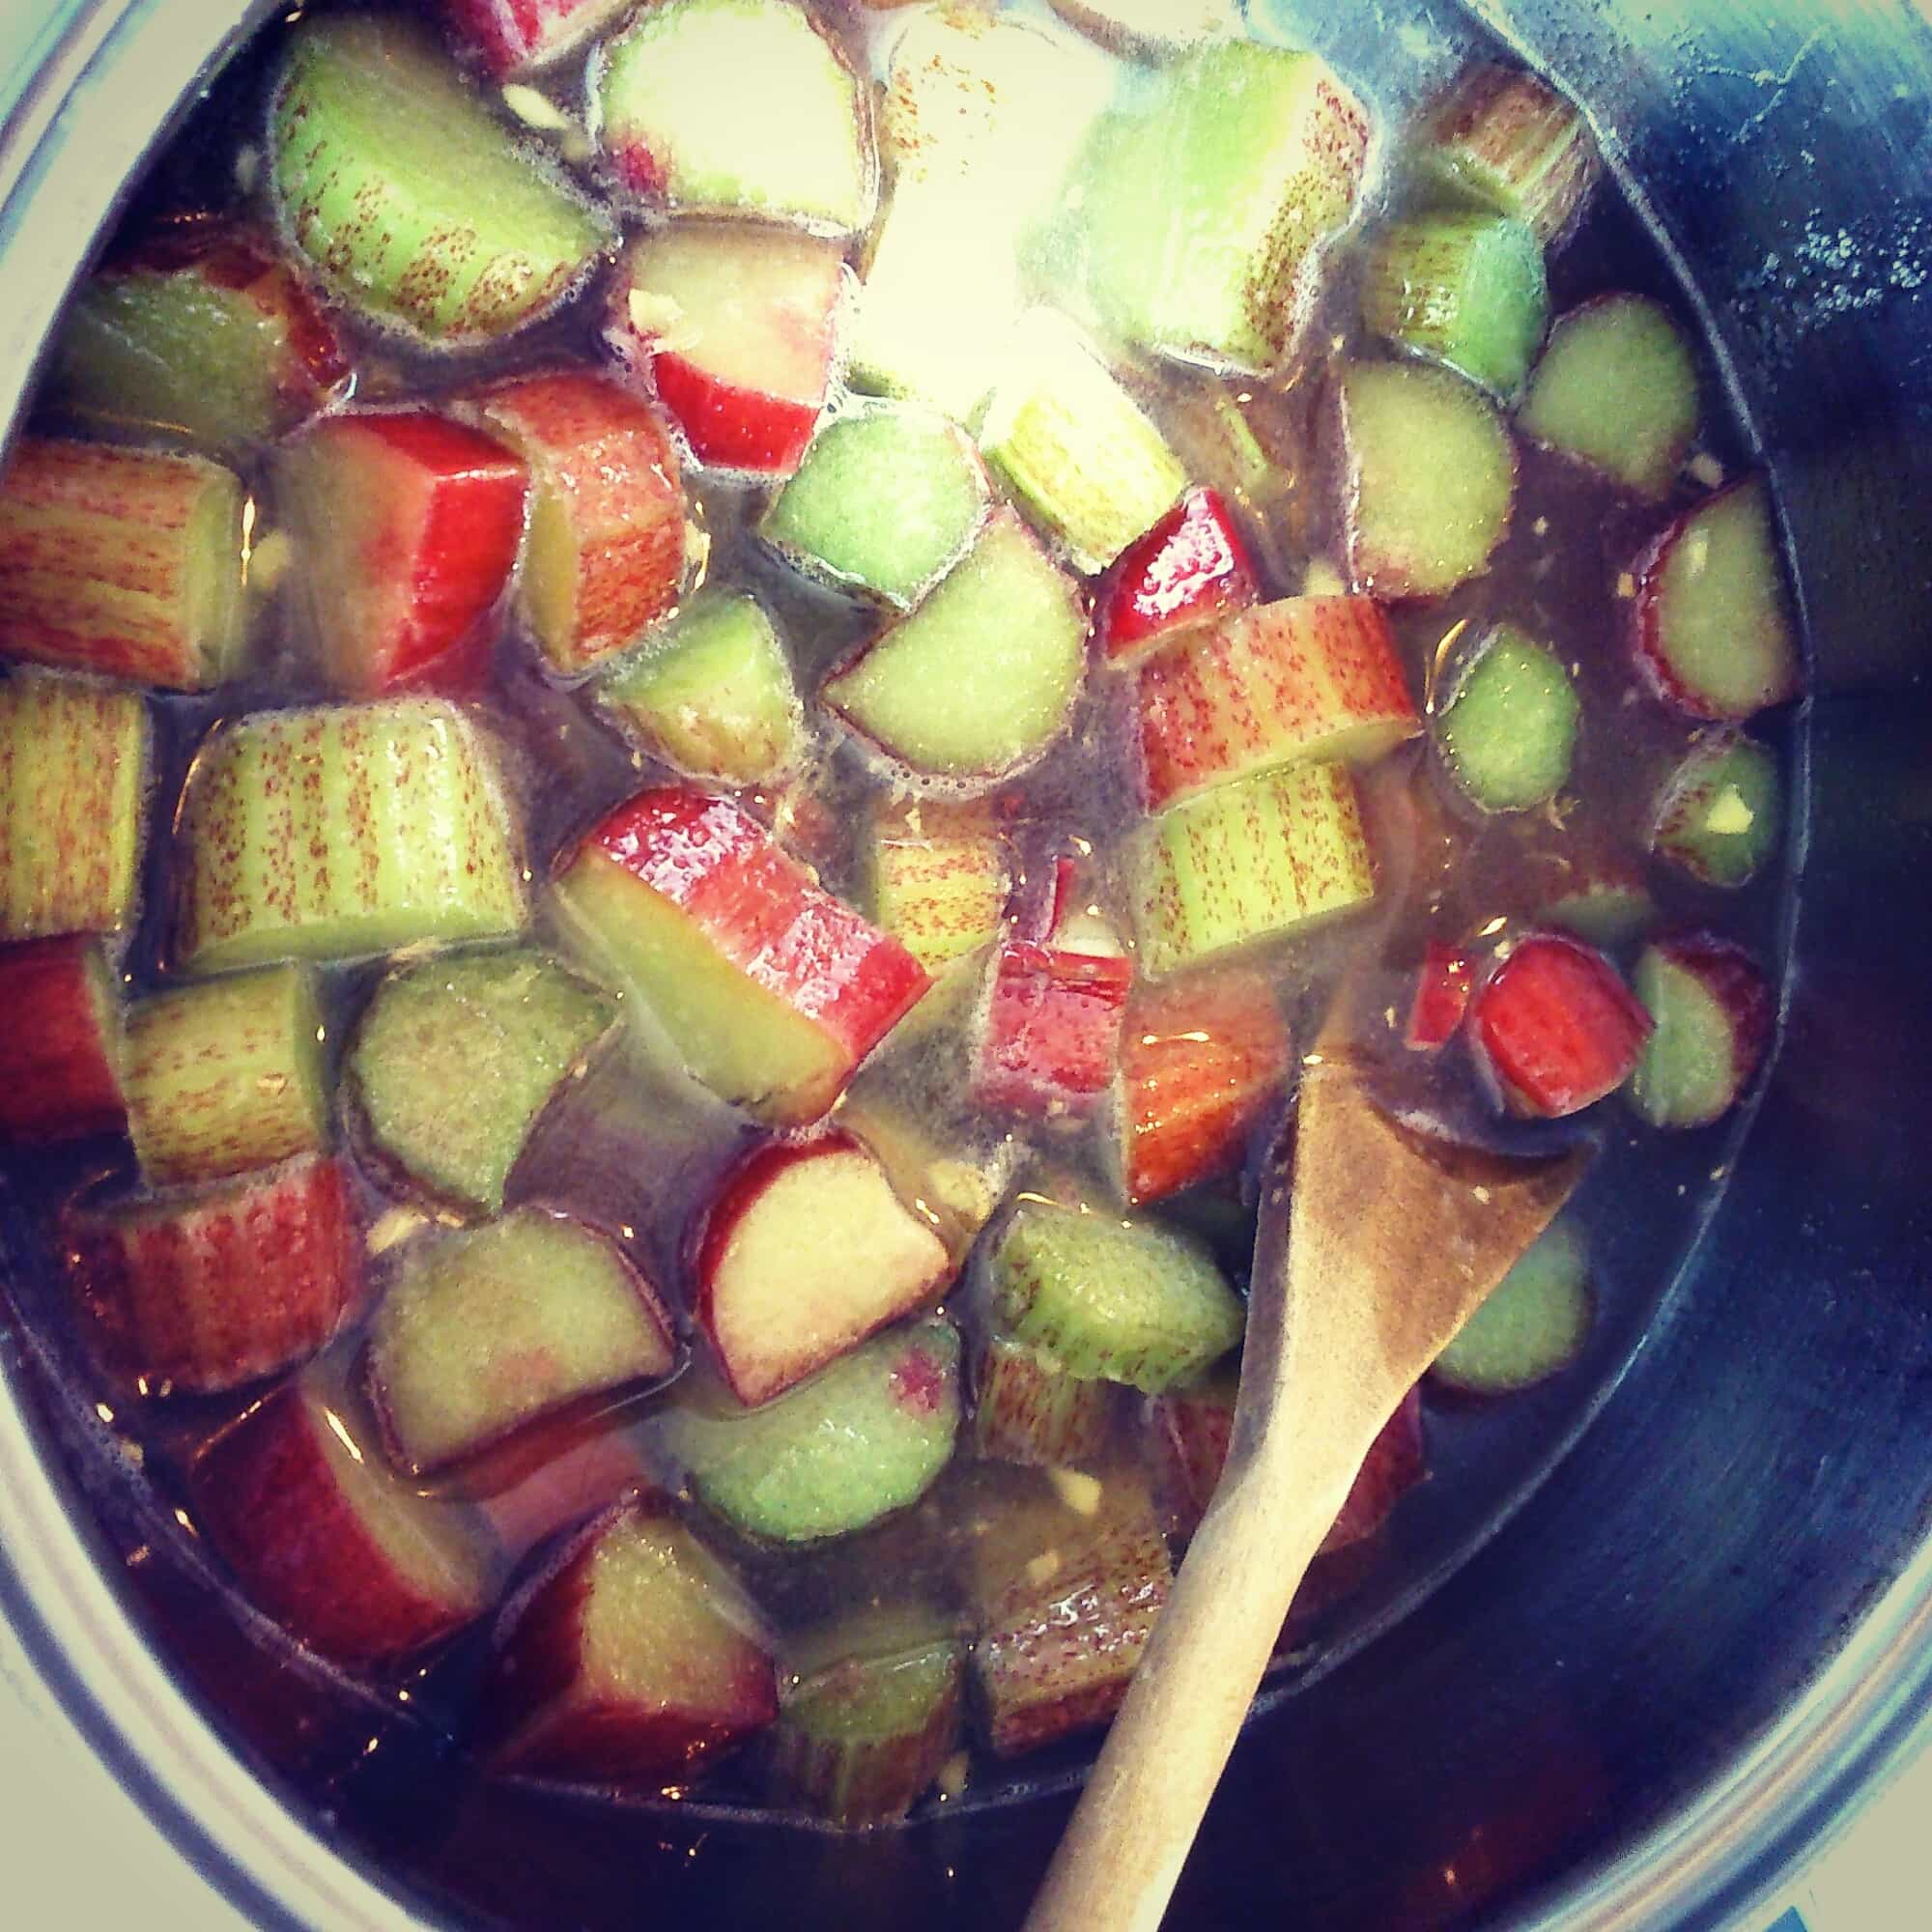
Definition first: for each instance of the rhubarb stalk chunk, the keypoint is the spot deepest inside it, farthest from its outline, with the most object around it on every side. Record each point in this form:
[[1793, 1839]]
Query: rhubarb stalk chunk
[[874, 1714], [74, 777], [1125, 1300], [1202, 1061], [1554, 1025], [203, 333], [409, 527], [638, 1661], [1060, 1633], [1306, 678], [1203, 213], [736, 107], [772, 990], [980, 679], [1262, 858], [712, 692], [336, 832], [327, 1541], [457, 1059], [1075, 447], [867, 1436], [804, 1252], [484, 1330], [208, 1291], [121, 561], [940, 876], [1501, 138], [59, 1075], [226, 1076], [605, 552], [413, 203]]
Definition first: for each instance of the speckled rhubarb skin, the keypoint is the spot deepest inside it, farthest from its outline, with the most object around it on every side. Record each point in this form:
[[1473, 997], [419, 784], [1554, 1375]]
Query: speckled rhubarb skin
[[1507, 139], [214, 1290], [343, 830], [1308, 677], [1268, 854], [109, 557], [605, 557], [73, 773]]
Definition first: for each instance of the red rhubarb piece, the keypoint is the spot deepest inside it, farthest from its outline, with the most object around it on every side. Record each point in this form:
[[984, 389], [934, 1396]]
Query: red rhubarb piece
[[58, 1042], [1555, 1026], [1442, 987], [1191, 567]]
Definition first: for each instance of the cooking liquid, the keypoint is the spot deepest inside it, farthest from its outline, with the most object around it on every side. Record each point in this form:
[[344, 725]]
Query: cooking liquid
[[637, 1150]]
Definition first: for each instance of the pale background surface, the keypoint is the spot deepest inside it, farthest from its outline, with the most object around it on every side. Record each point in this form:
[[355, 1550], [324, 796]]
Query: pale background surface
[[77, 1854]]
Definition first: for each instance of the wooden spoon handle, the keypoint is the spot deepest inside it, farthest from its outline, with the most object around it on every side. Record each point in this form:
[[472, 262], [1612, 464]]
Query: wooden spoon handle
[[1116, 1867]]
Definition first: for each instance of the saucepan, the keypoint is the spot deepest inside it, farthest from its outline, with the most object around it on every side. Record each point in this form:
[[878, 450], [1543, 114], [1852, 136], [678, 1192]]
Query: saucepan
[[1691, 1648]]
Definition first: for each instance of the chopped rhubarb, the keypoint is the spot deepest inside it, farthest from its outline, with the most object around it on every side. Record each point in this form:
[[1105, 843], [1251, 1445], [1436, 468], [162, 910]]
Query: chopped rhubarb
[[772, 989], [1202, 1061], [1715, 1014], [1191, 567], [202, 331], [59, 1045], [212, 1290], [298, 1499], [409, 527], [734, 324], [1307, 678], [1711, 629], [606, 550], [804, 1252], [121, 561], [1555, 1027], [1052, 1029], [1443, 984]]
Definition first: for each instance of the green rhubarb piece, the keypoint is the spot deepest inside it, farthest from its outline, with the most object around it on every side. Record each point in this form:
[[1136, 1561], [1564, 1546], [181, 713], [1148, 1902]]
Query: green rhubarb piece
[[873, 1716], [1503, 139], [885, 503], [1029, 1408], [1722, 810], [415, 206], [939, 876], [1534, 1322], [1200, 212], [688, 106], [1075, 447], [1119, 1300], [1509, 730], [225, 1076], [74, 780], [1608, 909], [1468, 290], [712, 692], [1617, 388], [1262, 858], [1713, 1013], [343, 830], [222, 347], [457, 1059], [982, 677], [864, 1437], [485, 1329], [1430, 476]]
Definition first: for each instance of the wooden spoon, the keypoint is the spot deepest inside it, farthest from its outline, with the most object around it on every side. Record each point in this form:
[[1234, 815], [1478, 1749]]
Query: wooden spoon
[[1392, 1242]]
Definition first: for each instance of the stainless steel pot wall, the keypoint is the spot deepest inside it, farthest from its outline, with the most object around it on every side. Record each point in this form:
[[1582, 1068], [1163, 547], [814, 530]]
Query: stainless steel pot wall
[[1710, 1630]]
